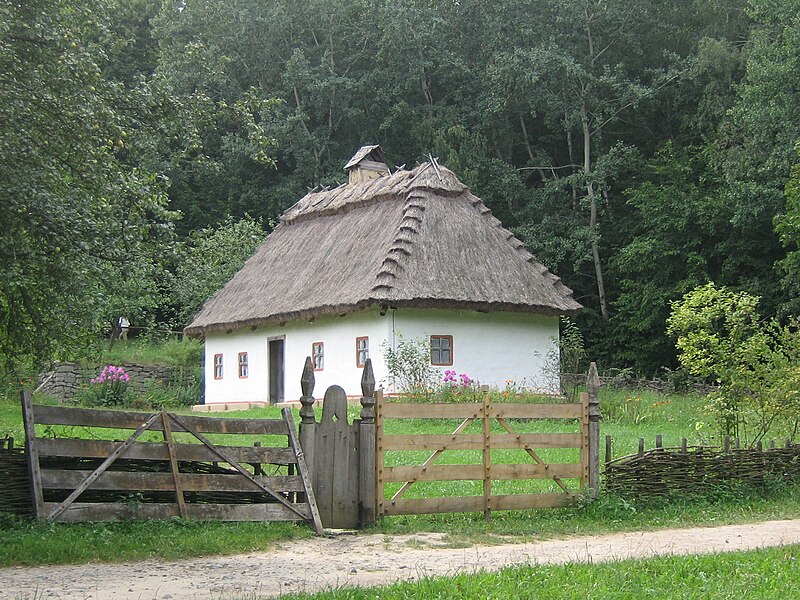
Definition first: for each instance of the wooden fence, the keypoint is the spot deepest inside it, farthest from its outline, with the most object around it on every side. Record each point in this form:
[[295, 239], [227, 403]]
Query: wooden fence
[[687, 470], [585, 471], [132, 479]]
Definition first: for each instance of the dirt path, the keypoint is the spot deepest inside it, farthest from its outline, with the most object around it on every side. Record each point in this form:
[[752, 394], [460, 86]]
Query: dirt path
[[362, 560]]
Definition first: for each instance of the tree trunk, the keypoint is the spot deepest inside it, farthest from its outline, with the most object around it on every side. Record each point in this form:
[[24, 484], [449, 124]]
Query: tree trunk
[[587, 168]]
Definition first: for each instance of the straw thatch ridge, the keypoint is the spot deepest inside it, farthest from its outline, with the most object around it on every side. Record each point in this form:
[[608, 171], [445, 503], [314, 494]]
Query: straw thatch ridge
[[415, 238]]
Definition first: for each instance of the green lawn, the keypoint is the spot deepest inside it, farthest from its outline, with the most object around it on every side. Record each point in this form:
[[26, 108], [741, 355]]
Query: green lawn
[[758, 574], [630, 416]]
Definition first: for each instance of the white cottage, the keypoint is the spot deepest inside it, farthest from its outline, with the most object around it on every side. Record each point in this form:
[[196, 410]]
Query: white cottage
[[388, 254]]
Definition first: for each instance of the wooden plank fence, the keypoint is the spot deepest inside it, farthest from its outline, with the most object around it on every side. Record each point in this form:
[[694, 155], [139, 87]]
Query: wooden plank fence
[[484, 413], [132, 479]]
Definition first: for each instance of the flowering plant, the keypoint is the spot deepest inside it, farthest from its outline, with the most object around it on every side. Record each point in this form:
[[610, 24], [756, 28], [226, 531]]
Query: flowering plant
[[463, 380], [109, 388], [456, 387]]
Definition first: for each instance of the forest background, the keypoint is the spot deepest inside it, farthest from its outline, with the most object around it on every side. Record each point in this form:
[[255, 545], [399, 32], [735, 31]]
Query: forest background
[[639, 148]]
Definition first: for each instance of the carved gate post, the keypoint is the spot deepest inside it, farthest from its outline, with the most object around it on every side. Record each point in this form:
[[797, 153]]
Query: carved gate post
[[593, 389], [366, 435], [308, 423]]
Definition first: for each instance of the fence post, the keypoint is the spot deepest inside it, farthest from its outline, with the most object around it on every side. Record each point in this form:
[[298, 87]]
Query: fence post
[[308, 422], [366, 445], [593, 388]]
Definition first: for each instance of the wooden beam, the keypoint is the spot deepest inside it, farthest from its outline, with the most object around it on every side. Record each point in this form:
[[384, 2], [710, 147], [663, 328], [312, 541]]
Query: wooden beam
[[158, 451], [433, 410], [475, 441], [143, 481], [173, 464], [125, 511], [117, 419], [476, 472], [303, 470], [32, 453], [536, 411]]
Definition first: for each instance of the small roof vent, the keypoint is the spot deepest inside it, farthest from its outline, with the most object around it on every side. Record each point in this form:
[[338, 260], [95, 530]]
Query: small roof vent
[[368, 163]]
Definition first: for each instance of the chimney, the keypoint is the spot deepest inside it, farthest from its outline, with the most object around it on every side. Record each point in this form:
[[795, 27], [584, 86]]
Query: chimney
[[368, 163]]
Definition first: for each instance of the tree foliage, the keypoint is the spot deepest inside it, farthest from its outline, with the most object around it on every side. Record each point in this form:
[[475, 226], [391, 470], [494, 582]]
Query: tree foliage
[[81, 224], [208, 259], [638, 148], [721, 337]]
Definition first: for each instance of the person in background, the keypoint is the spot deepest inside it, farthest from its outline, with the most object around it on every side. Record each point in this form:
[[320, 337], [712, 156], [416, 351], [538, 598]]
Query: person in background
[[124, 327]]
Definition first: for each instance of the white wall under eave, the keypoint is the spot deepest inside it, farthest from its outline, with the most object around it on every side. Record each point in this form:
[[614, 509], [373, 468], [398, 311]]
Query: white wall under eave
[[491, 348], [338, 334]]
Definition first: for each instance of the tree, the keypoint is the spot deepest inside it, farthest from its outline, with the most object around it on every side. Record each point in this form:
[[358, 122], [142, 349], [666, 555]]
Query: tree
[[79, 223], [721, 337], [787, 226], [208, 259]]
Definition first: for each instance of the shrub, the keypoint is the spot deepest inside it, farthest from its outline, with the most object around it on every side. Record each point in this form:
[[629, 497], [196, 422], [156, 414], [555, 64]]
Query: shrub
[[721, 337], [409, 366]]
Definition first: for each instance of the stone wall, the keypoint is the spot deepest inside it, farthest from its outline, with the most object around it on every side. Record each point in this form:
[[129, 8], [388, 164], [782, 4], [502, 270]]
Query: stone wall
[[66, 378]]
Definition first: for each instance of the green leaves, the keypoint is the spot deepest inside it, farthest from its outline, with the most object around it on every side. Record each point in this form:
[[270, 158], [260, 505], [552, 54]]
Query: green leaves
[[720, 337], [77, 216]]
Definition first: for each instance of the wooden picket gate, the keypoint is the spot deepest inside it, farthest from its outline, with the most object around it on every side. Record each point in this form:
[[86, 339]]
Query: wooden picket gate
[[132, 479]]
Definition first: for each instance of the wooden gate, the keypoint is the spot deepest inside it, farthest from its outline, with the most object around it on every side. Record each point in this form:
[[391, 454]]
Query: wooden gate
[[341, 455], [571, 478], [133, 479]]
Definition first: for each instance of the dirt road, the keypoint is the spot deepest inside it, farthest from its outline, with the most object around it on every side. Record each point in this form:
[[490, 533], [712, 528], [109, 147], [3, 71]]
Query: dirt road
[[362, 560]]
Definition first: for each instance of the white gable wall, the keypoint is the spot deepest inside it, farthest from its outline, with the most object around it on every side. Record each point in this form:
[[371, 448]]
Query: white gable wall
[[491, 348]]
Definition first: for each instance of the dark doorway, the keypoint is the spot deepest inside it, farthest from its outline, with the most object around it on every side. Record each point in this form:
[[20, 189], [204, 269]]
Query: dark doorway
[[275, 371]]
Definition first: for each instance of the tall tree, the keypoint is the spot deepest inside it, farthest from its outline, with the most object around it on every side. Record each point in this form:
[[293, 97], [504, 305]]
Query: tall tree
[[78, 221]]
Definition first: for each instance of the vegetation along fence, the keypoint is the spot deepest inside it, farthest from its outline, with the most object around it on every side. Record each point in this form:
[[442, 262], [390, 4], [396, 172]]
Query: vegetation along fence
[[661, 471], [136, 479]]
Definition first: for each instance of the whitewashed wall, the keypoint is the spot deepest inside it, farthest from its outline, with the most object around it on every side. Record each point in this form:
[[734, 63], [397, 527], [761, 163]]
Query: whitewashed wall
[[490, 348], [338, 335]]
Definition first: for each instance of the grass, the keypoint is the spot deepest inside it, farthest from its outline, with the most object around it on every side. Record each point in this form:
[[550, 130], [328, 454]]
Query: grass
[[184, 352], [758, 574], [26, 543], [628, 417]]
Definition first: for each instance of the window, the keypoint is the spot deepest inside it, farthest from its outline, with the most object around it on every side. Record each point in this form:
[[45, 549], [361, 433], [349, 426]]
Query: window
[[218, 366], [442, 350], [318, 355], [243, 368], [362, 351]]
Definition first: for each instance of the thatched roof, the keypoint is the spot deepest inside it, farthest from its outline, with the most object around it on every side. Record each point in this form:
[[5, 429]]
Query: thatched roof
[[414, 238]]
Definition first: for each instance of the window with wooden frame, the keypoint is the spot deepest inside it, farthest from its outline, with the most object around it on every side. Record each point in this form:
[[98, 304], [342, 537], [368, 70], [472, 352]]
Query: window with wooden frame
[[442, 350], [218, 366], [362, 351], [243, 366], [318, 355]]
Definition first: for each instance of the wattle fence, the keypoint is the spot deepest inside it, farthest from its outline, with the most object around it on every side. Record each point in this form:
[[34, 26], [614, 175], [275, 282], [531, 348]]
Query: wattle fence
[[696, 470]]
